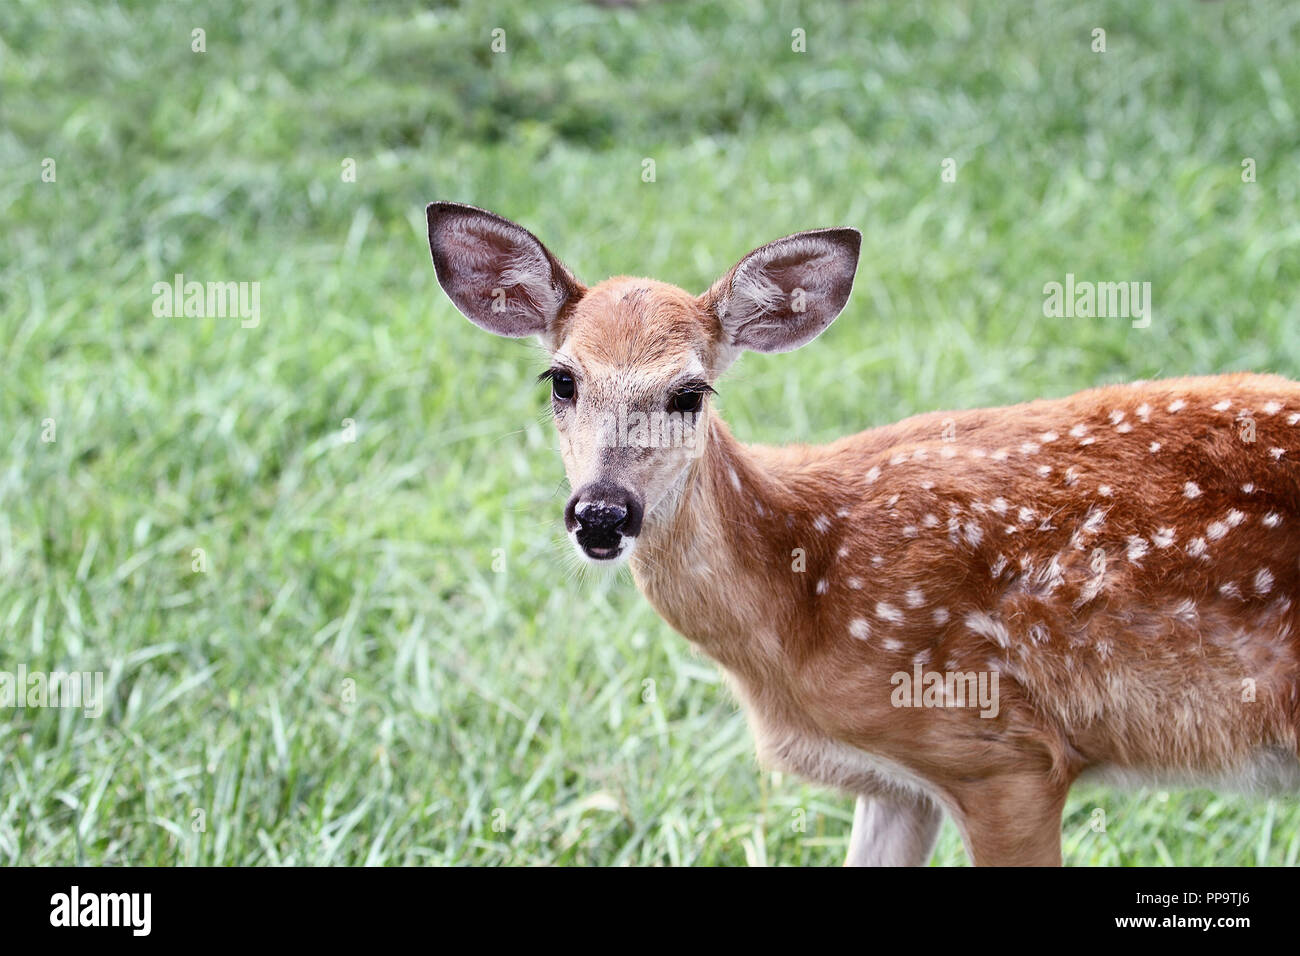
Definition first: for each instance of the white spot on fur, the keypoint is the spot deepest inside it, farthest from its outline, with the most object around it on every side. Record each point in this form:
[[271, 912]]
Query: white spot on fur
[[1029, 448], [860, 628], [1116, 416], [887, 612], [822, 523], [1272, 519], [1106, 491], [854, 583], [1263, 581], [1078, 431], [1230, 590], [1216, 530], [1144, 412], [1155, 447], [1293, 418], [872, 474], [1191, 490], [1087, 441], [940, 615], [1196, 547], [1234, 518], [1222, 406], [1000, 455], [1272, 408], [1026, 515], [1124, 428], [930, 521], [1048, 437], [1277, 453], [1044, 470], [988, 626], [1163, 538], [893, 644], [1137, 548], [1248, 488], [1094, 520], [999, 505], [910, 531], [898, 459], [822, 586], [1071, 476], [1177, 405], [735, 478], [915, 597]]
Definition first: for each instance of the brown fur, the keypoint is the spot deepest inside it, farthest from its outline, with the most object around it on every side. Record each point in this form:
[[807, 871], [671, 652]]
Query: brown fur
[[1125, 560], [1118, 679], [1113, 678]]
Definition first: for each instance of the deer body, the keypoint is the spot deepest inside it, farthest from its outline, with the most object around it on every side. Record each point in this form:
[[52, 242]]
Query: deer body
[[964, 610], [1123, 614]]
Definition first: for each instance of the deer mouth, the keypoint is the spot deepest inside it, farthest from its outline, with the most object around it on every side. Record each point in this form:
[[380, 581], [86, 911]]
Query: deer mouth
[[600, 547]]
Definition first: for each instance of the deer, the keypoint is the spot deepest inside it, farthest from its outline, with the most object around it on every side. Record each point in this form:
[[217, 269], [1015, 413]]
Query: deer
[[962, 613]]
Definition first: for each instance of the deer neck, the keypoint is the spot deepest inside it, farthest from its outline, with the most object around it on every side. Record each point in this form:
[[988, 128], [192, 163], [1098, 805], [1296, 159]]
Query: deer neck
[[719, 562]]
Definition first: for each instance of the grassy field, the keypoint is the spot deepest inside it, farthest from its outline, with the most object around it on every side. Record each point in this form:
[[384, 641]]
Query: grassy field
[[388, 659]]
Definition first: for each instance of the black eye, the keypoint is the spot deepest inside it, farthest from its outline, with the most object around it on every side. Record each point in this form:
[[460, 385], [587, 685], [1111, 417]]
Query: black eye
[[687, 402], [562, 386]]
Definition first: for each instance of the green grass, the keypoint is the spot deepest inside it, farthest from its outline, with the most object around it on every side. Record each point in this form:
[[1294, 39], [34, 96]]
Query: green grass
[[502, 718]]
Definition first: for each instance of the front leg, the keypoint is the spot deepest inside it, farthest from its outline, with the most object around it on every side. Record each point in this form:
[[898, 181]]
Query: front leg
[[894, 830]]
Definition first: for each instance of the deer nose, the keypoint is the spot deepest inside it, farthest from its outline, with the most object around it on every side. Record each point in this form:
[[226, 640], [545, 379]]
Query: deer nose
[[598, 516], [602, 511]]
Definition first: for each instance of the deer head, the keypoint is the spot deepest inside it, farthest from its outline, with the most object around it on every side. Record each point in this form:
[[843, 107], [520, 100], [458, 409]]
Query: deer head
[[633, 362]]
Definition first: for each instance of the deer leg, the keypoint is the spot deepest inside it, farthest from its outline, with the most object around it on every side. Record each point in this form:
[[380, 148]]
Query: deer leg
[[1013, 820], [893, 831]]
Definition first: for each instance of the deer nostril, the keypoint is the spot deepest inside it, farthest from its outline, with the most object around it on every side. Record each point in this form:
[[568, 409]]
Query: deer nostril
[[600, 515]]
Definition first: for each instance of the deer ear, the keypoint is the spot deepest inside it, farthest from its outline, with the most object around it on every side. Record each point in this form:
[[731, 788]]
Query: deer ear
[[497, 273], [784, 294]]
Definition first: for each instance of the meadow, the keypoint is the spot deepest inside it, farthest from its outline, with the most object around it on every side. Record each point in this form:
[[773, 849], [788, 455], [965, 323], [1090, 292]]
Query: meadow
[[319, 558]]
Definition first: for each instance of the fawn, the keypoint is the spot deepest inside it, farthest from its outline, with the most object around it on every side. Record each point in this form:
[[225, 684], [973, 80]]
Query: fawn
[[965, 611]]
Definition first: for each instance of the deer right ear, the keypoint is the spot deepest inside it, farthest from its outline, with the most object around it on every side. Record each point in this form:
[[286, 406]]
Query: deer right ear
[[497, 273]]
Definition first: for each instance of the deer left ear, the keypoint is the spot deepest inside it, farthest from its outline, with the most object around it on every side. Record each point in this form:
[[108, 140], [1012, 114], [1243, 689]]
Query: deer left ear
[[784, 294]]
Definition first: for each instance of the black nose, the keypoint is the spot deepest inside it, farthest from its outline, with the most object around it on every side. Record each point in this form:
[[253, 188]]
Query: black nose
[[600, 513]]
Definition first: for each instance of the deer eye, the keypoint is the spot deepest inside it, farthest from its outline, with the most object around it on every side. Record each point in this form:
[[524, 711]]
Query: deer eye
[[562, 386], [687, 399], [687, 402]]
